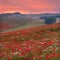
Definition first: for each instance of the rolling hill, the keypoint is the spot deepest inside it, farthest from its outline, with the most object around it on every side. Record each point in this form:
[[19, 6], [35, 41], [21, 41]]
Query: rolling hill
[[13, 21]]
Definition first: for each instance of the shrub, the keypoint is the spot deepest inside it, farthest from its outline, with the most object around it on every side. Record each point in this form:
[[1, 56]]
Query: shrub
[[50, 20]]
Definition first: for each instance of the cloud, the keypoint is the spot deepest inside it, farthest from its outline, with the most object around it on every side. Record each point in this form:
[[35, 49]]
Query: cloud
[[29, 6]]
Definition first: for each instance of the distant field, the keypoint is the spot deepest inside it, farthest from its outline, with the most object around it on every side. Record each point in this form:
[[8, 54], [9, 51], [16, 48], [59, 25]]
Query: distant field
[[24, 27], [18, 24], [10, 22]]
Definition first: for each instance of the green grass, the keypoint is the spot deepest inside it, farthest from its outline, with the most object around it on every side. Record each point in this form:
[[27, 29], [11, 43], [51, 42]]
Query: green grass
[[24, 27]]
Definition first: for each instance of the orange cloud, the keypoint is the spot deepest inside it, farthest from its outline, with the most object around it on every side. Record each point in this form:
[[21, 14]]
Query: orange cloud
[[9, 9]]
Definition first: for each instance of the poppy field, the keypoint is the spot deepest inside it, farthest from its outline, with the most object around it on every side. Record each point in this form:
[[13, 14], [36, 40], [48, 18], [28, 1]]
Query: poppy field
[[37, 43]]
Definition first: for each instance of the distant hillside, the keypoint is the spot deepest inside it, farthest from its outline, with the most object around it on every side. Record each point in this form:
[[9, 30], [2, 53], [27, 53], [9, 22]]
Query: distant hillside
[[13, 21], [40, 28]]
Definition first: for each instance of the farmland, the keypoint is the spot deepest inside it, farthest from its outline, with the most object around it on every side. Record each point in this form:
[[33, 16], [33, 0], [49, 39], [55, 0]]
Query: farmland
[[37, 43]]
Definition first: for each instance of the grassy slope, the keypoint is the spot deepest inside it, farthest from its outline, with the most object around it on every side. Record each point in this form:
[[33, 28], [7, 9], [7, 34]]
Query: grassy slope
[[29, 24], [44, 27]]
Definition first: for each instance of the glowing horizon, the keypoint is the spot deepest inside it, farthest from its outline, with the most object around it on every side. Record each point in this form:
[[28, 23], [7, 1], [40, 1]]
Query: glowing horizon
[[30, 6]]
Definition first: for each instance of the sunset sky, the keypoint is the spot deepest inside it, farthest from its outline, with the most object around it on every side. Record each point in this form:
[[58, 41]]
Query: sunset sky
[[30, 6]]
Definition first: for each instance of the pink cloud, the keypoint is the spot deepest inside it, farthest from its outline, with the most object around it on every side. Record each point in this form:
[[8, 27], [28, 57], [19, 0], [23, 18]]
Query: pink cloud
[[29, 6]]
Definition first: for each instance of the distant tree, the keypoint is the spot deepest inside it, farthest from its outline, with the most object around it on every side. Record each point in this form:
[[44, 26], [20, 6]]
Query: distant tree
[[58, 16], [17, 13], [50, 20]]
